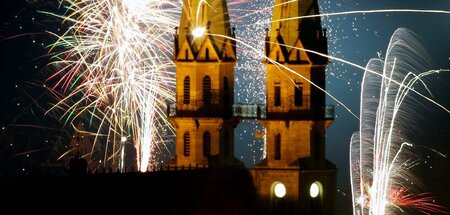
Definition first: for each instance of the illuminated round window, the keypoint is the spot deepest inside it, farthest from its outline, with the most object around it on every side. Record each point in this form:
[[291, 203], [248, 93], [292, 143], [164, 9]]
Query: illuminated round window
[[314, 190], [279, 190]]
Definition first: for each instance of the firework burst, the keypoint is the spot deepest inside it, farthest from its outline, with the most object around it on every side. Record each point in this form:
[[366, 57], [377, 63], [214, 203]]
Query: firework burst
[[113, 66], [378, 158]]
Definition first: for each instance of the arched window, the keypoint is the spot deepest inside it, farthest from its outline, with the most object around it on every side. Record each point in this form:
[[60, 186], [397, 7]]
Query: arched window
[[187, 90], [206, 144], [207, 94], [316, 195], [187, 144], [298, 94], [278, 147]]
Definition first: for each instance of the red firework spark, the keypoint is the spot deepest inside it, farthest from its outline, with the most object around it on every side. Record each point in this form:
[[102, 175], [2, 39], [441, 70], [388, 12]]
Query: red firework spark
[[423, 202]]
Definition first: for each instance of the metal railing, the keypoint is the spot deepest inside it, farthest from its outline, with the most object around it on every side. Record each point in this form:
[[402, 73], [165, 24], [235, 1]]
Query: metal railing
[[193, 103], [252, 111], [249, 111], [213, 110], [287, 104]]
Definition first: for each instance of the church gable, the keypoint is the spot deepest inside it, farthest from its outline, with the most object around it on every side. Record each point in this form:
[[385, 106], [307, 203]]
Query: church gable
[[228, 51], [277, 53], [185, 53], [298, 55], [207, 51]]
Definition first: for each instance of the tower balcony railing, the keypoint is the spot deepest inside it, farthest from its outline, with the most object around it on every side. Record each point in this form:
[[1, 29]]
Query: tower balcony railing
[[208, 110], [193, 103], [259, 111], [287, 104], [203, 105], [252, 111], [249, 111]]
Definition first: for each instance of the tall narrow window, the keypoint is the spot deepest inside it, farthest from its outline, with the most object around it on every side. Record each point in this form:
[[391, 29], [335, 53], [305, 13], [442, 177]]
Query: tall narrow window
[[298, 94], [207, 94], [206, 144], [278, 147], [187, 144], [225, 90], [186, 54], [187, 90], [278, 56], [207, 54], [277, 93], [298, 55]]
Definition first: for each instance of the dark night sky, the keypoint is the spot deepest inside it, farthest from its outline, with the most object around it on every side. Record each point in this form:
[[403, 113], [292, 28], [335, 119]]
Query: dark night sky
[[364, 36], [356, 38]]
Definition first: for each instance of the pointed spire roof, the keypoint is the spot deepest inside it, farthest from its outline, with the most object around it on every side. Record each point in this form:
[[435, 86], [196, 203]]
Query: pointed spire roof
[[289, 11], [208, 51], [287, 23], [210, 14], [298, 55]]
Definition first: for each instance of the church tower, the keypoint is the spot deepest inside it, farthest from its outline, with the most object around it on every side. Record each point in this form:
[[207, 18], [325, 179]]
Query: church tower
[[296, 114], [204, 55]]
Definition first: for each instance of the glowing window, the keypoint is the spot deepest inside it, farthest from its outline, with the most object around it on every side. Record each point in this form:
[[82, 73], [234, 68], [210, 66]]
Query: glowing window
[[314, 190], [280, 190]]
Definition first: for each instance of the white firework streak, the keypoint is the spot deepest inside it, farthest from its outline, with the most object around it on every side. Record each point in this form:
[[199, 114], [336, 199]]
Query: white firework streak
[[376, 158]]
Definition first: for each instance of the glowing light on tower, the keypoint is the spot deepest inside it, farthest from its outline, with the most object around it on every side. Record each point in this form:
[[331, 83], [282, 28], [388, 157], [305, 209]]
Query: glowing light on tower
[[198, 32]]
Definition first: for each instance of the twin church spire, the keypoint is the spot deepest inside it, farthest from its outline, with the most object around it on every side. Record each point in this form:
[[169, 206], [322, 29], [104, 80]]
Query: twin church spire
[[205, 56], [205, 24], [294, 116], [295, 27]]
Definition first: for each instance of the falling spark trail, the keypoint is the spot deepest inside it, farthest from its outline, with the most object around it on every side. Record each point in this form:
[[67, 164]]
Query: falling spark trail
[[377, 151]]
